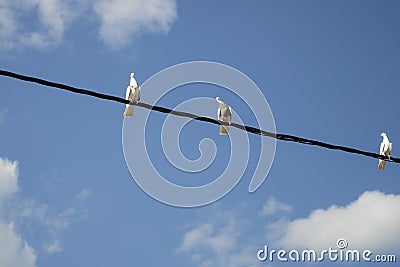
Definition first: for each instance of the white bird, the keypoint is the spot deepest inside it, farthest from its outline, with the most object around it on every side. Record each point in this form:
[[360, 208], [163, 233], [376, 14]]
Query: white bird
[[224, 114], [385, 150], [133, 95]]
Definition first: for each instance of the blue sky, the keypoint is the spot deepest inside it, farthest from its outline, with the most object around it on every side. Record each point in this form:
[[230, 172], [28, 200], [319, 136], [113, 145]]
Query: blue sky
[[329, 70]]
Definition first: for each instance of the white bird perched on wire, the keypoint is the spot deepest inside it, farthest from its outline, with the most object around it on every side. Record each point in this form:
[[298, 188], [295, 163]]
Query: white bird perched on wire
[[225, 115], [385, 150], [133, 95]]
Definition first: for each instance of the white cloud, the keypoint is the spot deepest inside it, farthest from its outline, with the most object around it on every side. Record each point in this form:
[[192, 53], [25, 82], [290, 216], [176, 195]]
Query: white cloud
[[370, 222], [43, 23], [8, 178], [51, 19], [273, 206], [14, 250], [53, 15], [219, 244], [120, 19], [7, 22], [7, 28]]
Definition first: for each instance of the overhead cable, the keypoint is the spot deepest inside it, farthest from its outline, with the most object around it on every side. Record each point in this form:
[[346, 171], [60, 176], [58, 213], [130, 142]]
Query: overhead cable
[[283, 137]]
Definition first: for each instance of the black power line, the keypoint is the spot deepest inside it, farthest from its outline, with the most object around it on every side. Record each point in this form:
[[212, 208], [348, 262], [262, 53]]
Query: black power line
[[283, 137]]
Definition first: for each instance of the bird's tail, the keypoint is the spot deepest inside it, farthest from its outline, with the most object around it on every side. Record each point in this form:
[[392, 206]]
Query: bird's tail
[[129, 110], [382, 164], [224, 130]]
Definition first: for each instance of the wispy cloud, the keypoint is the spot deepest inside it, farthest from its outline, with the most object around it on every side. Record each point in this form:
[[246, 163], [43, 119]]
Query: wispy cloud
[[120, 19], [42, 213], [372, 221], [53, 247], [85, 194], [218, 243], [15, 250], [273, 206]]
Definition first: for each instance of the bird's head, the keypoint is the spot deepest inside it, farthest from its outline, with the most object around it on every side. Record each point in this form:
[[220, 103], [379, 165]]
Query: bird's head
[[218, 99], [132, 75], [383, 134]]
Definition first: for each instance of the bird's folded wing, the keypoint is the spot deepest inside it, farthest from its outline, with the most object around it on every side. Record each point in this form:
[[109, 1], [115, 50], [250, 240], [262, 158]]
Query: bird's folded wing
[[382, 149], [128, 93]]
